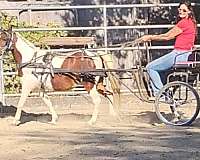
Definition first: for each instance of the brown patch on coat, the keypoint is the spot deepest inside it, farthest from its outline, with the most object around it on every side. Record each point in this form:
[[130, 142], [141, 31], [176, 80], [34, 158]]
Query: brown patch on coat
[[17, 56], [62, 83], [78, 62], [3, 39], [18, 59]]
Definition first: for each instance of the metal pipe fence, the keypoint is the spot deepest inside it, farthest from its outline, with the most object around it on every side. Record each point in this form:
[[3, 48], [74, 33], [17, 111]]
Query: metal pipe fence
[[63, 6]]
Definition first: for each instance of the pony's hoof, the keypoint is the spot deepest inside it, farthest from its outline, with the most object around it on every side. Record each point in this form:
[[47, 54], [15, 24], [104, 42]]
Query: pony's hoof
[[53, 123], [54, 120], [113, 113], [116, 115], [16, 123], [91, 122], [119, 118]]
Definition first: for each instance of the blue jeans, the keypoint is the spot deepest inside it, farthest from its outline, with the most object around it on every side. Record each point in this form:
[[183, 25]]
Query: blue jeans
[[156, 67]]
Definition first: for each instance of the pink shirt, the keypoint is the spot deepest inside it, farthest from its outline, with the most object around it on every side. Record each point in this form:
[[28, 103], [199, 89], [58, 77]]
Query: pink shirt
[[185, 40]]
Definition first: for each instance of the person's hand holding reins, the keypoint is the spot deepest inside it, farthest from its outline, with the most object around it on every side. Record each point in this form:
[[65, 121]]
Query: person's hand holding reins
[[144, 38]]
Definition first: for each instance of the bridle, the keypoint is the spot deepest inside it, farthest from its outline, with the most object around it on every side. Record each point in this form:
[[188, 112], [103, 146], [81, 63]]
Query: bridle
[[9, 41]]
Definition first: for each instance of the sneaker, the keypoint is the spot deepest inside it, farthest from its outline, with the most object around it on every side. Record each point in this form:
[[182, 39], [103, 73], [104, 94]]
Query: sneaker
[[162, 99], [166, 99]]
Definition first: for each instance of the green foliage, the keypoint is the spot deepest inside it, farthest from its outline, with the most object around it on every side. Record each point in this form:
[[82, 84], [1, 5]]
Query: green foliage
[[11, 82], [35, 36], [7, 21]]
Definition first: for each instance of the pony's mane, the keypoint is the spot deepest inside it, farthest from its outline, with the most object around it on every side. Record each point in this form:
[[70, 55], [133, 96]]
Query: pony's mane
[[30, 44]]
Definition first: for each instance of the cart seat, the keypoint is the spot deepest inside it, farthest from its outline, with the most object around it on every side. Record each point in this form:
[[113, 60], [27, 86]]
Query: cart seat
[[192, 62], [187, 65], [186, 71]]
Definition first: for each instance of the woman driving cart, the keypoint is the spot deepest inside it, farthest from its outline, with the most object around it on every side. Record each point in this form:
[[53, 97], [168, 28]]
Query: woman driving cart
[[184, 33]]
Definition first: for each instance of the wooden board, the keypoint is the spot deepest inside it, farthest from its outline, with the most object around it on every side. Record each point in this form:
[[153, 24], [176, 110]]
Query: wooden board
[[68, 41]]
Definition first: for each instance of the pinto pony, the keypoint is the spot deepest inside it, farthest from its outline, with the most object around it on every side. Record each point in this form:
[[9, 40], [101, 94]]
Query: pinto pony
[[30, 61]]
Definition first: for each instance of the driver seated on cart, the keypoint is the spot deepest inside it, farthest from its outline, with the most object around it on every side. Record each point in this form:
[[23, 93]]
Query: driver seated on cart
[[184, 33]]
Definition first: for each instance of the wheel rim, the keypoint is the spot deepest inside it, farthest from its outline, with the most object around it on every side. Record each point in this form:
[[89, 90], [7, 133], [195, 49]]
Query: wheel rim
[[179, 108]]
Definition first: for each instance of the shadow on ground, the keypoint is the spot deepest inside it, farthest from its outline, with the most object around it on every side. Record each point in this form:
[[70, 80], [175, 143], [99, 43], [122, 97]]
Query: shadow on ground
[[7, 111], [148, 117]]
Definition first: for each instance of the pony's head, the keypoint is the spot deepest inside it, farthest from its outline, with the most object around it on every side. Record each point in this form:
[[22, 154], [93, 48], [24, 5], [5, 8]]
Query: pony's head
[[6, 40]]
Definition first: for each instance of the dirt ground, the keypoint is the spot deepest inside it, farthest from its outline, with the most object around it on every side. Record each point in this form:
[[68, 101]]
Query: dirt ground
[[138, 136]]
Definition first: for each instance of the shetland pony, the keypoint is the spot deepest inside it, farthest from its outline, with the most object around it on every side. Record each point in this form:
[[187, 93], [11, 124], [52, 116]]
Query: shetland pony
[[36, 68]]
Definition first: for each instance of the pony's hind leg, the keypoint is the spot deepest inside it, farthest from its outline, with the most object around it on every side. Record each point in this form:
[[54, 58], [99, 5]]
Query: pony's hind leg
[[96, 100], [54, 115], [111, 105], [114, 85]]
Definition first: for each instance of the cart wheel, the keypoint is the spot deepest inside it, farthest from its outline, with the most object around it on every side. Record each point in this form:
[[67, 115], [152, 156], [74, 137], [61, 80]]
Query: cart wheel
[[177, 104]]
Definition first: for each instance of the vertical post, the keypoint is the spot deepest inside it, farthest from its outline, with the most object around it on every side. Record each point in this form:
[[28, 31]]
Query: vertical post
[[1, 75], [114, 83], [30, 14], [2, 100], [105, 30], [105, 26], [146, 14]]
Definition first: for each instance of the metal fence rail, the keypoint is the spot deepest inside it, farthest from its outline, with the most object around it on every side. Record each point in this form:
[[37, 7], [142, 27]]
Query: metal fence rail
[[58, 6]]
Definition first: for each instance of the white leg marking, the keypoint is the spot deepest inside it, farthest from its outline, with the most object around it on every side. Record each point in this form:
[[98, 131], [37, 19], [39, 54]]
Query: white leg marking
[[96, 100], [111, 106], [21, 102], [26, 89], [51, 108], [115, 103]]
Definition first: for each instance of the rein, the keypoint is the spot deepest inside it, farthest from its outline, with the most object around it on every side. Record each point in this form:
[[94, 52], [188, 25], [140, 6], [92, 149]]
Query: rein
[[95, 54]]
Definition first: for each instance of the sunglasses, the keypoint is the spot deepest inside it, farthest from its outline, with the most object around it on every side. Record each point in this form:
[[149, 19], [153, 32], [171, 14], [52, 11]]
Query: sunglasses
[[183, 10]]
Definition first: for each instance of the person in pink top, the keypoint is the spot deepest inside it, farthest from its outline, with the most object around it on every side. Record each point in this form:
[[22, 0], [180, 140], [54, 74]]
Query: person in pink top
[[184, 32]]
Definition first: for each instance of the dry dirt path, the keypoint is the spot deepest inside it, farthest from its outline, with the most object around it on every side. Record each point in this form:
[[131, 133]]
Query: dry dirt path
[[133, 138]]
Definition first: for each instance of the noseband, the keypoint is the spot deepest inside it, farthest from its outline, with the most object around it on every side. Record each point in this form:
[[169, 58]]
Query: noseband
[[9, 41]]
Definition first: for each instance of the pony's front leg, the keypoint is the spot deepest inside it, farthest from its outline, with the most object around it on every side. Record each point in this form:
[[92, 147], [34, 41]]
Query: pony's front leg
[[24, 94], [21, 102], [96, 100], [54, 115]]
